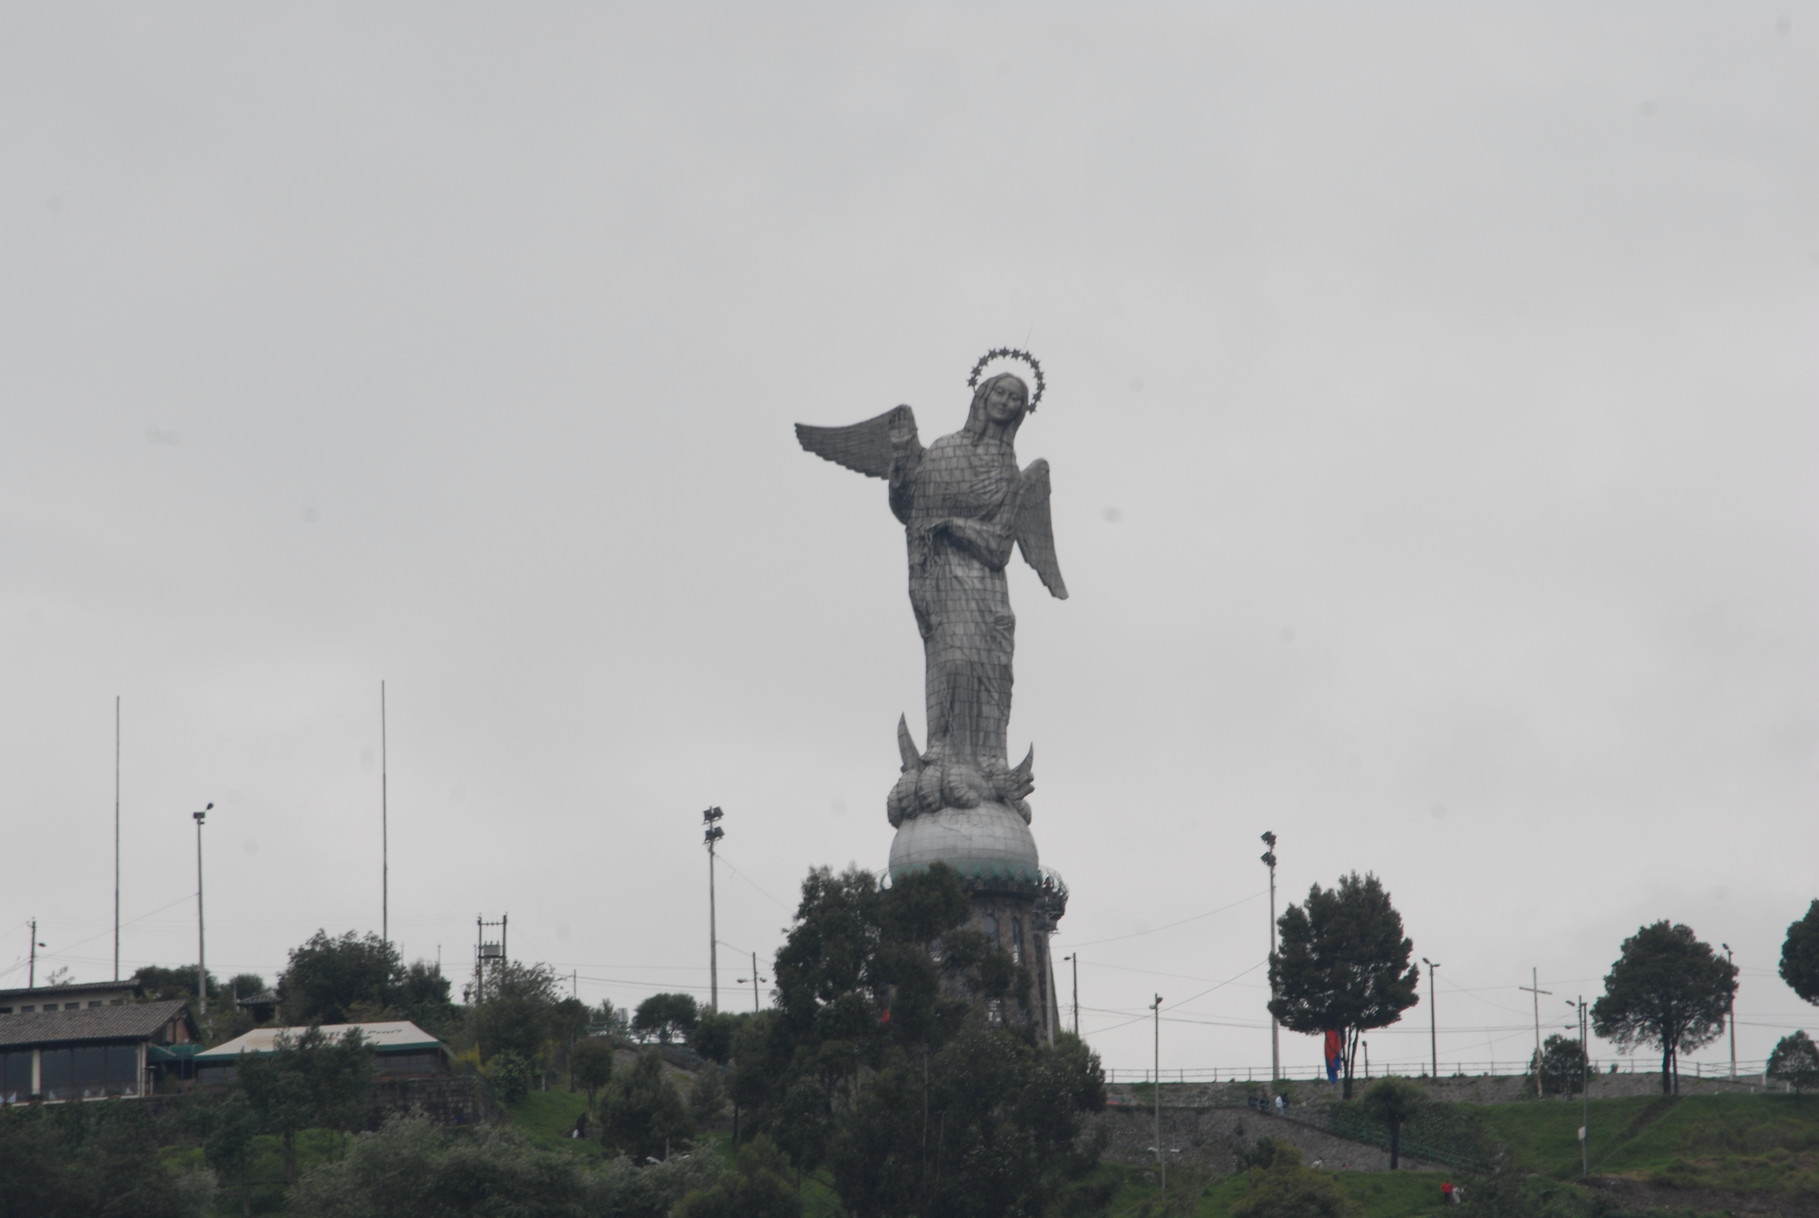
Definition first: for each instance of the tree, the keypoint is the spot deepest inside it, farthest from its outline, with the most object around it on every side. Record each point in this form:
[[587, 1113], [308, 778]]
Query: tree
[[1562, 1065], [758, 1188], [610, 1021], [712, 1036], [665, 1017], [328, 977], [245, 985], [880, 1061], [1343, 963], [89, 1160], [423, 998], [511, 1076], [1666, 989], [307, 1081], [644, 1116], [707, 1096], [228, 1145], [1393, 1101], [590, 1065], [1795, 1062], [413, 1168], [1800, 955], [1286, 1189], [157, 984], [519, 1010]]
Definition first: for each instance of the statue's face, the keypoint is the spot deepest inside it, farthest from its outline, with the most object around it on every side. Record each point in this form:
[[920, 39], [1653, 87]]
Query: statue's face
[[1006, 399]]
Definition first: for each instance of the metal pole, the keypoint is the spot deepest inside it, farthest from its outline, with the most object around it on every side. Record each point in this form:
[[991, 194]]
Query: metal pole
[[1269, 858], [201, 943], [1161, 1161], [1732, 1017], [1075, 957], [754, 983], [1585, 1093], [385, 857], [31, 972], [1433, 1016], [713, 936], [714, 834], [116, 837]]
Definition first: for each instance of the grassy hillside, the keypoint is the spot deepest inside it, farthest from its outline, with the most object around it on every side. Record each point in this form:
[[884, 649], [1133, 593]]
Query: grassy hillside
[[1651, 1157], [1733, 1143]]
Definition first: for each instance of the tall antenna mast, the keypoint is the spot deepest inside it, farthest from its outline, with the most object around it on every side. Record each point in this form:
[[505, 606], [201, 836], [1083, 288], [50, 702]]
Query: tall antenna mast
[[385, 858], [116, 837]]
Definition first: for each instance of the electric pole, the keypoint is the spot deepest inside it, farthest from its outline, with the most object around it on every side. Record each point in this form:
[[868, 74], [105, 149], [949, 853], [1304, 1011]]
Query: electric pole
[[1534, 987], [1161, 1160], [1269, 860], [1433, 1016], [1732, 1016], [201, 954], [1075, 957]]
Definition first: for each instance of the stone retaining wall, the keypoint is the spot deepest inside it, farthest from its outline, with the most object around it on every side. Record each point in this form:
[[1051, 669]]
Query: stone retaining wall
[[1209, 1139]]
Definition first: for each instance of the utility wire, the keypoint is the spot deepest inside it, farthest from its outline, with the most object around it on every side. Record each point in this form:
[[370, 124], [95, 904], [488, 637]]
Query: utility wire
[[1156, 930]]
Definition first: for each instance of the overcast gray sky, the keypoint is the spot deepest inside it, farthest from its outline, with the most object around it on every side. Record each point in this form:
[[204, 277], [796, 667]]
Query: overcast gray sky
[[1431, 409]]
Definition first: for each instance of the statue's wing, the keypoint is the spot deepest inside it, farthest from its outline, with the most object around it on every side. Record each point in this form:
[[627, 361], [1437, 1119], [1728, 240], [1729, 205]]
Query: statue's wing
[[1035, 531], [869, 447]]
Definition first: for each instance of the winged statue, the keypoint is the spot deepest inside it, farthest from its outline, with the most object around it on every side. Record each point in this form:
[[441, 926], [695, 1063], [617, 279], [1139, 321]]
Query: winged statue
[[964, 504]]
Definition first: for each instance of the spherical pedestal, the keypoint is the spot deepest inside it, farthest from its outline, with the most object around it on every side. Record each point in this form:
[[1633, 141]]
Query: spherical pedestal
[[987, 842]]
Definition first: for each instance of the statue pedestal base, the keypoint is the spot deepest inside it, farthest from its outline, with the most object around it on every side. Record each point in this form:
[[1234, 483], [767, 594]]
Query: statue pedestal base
[[1015, 905], [986, 842]]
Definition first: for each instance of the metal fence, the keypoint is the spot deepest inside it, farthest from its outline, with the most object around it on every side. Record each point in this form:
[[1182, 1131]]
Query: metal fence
[[1747, 1071]]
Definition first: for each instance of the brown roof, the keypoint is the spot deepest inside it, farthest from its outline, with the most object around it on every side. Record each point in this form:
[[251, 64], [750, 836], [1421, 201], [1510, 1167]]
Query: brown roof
[[133, 1021]]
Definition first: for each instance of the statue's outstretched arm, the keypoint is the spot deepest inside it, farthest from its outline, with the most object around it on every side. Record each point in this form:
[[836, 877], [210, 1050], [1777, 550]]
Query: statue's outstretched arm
[[1035, 529], [876, 448]]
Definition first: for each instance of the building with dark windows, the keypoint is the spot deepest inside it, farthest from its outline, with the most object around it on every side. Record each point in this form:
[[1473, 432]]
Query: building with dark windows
[[83, 1052], [78, 997]]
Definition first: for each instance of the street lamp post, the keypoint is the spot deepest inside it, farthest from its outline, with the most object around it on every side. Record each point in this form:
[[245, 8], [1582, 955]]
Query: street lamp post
[[201, 952], [1075, 957], [1269, 860], [714, 833], [1585, 1089], [1433, 1016]]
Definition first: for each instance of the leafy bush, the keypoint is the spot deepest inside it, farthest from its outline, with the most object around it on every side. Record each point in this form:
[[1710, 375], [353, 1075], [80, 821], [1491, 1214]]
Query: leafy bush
[[644, 1116], [1286, 1189], [80, 1160], [511, 1076], [412, 1168], [760, 1188]]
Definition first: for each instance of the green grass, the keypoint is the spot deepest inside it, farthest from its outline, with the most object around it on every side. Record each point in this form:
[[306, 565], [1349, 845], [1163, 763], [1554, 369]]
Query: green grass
[[1731, 1142], [1382, 1194], [545, 1117]]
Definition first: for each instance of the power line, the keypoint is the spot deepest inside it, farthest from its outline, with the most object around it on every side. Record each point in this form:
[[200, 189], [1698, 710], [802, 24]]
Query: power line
[[1137, 934]]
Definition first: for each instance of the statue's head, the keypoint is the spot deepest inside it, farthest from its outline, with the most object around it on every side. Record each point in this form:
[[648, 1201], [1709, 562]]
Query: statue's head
[[999, 404]]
